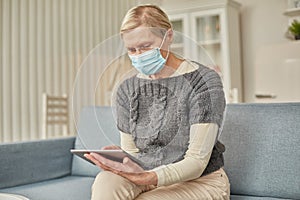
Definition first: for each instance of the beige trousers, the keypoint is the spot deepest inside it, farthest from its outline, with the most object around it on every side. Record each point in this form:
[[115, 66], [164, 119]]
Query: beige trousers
[[109, 186]]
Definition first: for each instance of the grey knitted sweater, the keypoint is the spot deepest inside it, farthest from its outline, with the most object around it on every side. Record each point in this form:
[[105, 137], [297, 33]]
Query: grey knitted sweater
[[158, 114]]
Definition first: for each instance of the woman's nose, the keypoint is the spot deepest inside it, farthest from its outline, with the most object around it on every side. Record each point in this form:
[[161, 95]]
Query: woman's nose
[[138, 51]]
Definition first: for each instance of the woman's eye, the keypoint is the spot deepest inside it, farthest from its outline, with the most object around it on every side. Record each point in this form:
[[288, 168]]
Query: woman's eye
[[131, 50], [145, 47]]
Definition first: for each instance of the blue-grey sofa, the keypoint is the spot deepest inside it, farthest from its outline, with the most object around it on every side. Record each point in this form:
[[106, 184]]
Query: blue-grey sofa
[[262, 155]]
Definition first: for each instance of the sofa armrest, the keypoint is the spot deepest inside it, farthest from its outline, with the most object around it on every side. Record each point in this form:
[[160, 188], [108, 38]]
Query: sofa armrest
[[29, 162]]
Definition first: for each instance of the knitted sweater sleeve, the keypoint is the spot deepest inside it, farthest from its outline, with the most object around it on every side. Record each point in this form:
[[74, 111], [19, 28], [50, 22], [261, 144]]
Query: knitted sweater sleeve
[[207, 100]]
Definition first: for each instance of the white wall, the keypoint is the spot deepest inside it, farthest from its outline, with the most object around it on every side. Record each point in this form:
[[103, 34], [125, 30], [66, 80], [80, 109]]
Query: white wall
[[262, 23], [42, 46]]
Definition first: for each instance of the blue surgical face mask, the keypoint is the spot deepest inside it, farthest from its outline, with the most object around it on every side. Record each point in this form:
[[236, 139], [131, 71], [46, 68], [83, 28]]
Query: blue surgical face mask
[[149, 62]]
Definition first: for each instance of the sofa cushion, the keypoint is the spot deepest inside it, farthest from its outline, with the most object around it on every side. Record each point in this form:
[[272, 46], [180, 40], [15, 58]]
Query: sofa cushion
[[70, 187], [262, 149], [238, 197], [97, 128], [29, 162]]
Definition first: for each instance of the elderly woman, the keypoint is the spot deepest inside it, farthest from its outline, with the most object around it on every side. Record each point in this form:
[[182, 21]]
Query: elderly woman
[[169, 116]]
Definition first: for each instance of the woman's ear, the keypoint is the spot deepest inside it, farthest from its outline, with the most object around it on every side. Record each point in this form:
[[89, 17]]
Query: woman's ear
[[170, 36]]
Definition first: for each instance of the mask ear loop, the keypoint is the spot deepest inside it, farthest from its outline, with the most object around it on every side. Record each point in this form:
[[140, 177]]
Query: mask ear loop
[[168, 46], [168, 53]]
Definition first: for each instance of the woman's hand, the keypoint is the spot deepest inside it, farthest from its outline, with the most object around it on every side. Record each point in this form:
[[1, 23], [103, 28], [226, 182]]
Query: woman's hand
[[128, 169], [104, 163], [127, 166], [143, 178]]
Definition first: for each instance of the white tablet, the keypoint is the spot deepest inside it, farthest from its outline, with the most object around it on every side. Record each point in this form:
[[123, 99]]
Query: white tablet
[[115, 155]]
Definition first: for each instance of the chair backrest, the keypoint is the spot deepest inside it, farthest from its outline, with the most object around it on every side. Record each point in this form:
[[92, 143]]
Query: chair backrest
[[262, 156], [56, 115]]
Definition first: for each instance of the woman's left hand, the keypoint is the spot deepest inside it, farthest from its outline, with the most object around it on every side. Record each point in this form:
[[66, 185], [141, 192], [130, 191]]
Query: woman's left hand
[[128, 169]]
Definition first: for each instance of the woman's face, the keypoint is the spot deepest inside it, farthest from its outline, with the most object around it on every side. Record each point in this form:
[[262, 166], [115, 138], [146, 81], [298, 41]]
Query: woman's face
[[142, 39]]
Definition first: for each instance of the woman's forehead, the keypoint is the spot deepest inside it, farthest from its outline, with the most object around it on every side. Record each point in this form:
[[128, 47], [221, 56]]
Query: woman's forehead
[[139, 36]]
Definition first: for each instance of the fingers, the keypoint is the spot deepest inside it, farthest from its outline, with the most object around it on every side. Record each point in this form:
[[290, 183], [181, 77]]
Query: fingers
[[134, 177], [116, 167], [94, 160], [112, 165], [90, 157], [127, 161], [99, 158], [132, 166]]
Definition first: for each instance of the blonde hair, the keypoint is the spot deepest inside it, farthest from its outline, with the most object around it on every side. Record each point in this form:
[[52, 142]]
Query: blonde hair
[[145, 15]]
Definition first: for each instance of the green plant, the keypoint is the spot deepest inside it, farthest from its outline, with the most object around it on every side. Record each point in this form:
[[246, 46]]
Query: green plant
[[294, 28]]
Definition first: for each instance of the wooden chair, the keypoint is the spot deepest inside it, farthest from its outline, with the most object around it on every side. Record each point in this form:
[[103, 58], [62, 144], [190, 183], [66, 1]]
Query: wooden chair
[[55, 114]]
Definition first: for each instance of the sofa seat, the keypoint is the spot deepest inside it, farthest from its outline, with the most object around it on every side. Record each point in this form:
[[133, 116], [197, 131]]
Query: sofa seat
[[69, 187], [242, 197]]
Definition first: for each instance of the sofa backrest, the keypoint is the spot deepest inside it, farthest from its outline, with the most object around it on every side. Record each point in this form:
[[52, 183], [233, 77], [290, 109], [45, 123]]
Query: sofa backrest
[[262, 146], [97, 128], [262, 156], [34, 161]]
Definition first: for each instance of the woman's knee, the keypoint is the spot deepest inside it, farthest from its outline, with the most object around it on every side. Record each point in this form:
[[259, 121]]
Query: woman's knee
[[106, 181], [110, 186]]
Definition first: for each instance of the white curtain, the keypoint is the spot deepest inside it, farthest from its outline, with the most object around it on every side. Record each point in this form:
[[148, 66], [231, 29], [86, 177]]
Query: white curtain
[[42, 45]]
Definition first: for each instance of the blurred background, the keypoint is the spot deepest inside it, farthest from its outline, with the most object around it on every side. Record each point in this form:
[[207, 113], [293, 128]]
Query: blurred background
[[43, 44]]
